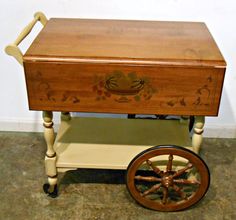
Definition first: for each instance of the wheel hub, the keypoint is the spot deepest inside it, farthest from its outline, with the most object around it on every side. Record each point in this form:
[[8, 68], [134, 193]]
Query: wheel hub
[[167, 181]]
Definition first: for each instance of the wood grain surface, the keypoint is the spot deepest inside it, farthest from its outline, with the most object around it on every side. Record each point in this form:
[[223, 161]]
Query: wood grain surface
[[123, 89], [130, 41], [145, 67]]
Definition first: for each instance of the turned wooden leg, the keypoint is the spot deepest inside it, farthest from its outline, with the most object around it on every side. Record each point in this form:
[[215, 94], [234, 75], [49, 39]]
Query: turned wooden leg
[[197, 133], [50, 158]]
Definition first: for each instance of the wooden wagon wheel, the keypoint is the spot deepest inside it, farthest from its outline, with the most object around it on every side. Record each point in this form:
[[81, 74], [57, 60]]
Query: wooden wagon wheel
[[155, 179]]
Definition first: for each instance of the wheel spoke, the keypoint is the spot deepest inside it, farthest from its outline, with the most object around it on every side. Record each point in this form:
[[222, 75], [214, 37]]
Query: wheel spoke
[[165, 195], [151, 190], [148, 178], [189, 182], [179, 191], [155, 169], [180, 172], [169, 164]]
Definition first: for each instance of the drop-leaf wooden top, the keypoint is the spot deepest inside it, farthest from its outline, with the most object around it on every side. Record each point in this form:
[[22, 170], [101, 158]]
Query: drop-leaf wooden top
[[114, 41], [115, 66]]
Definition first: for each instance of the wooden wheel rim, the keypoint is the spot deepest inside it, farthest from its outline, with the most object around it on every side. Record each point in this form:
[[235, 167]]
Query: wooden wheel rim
[[175, 151]]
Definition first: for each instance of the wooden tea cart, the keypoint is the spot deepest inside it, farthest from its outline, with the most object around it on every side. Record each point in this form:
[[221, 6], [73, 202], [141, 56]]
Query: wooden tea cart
[[131, 67]]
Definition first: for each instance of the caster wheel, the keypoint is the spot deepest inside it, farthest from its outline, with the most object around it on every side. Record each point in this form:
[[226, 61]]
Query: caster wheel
[[167, 178], [52, 194]]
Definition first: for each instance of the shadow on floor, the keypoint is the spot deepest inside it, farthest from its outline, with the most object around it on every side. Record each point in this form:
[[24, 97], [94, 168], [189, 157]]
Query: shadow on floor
[[94, 176]]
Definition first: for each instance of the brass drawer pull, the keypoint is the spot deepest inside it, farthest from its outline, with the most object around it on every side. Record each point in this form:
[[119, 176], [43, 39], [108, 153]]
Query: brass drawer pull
[[124, 85]]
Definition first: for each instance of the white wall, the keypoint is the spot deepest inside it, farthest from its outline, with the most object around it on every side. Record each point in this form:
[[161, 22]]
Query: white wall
[[15, 14]]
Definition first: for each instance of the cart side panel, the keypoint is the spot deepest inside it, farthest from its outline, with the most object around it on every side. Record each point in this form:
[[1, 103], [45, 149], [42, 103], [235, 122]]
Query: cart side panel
[[115, 88]]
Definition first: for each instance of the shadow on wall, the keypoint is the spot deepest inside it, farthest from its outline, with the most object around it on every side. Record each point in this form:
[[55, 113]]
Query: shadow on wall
[[223, 126]]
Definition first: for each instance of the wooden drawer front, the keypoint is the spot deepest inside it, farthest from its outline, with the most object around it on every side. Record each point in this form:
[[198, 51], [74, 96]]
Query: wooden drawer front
[[115, 88]]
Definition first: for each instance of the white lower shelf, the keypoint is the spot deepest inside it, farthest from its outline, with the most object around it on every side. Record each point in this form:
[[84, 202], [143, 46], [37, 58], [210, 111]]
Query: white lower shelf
[[111, 143]]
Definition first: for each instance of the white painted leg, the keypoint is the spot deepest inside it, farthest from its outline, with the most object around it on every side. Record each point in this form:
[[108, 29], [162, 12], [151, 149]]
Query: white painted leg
[[197, 133], [50, 158], [52, 181]]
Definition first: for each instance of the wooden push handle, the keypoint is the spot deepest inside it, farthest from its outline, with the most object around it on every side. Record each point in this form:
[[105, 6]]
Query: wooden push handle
[[13, 49]]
